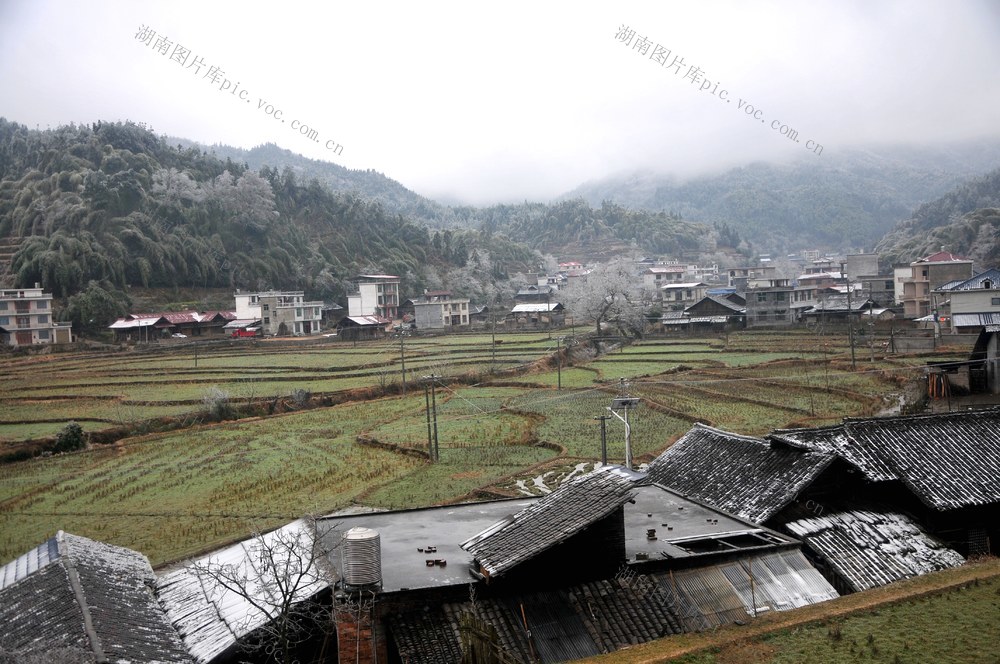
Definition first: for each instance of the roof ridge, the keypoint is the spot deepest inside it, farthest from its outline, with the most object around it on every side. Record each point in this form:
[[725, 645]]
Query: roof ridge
[[81, 598]]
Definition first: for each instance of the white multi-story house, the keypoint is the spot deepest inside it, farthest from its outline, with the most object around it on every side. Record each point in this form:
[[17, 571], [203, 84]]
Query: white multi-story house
[[275, 309], [26, 318], [439, 310], [377, 295], [655, 277]]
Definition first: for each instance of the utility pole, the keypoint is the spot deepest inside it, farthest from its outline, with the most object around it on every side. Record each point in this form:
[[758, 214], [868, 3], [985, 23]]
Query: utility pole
[[402, 357], [558, 363], [433, 449], [493, 316], [604, 438], [850, 313], [624, 402], [427, 403]]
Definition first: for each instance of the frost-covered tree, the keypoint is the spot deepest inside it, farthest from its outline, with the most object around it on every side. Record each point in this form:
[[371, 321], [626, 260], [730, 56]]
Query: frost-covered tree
[[609, 296]]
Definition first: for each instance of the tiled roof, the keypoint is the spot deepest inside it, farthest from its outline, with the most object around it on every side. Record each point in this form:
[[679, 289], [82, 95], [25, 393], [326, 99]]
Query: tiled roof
[[73, 592], [742, 475], [940, 257], [948, 460], [559, 515], [977, 282], [869, 549]]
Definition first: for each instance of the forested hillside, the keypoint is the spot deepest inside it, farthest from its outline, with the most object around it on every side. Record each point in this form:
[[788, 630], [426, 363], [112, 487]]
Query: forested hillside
[[368, 184], [838, 202], [566, 228], [965, 221], [115, 205], [574, 228]]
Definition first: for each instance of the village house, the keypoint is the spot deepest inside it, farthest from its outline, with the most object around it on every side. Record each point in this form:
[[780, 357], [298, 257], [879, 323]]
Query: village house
[[721, 528], [710, 312], [375, 295], [681, 294], [535, 293], [926, 276], [438, 310], [26, 318], [147, 327], [875, 500], [974, 303], [655, 277], [771, 303], [356, 328], [536, 314], [281, 313]]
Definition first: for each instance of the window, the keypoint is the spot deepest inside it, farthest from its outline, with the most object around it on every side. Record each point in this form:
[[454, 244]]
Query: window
[[995, 301], [43, 319], [3, 306], [267, 307], [43, 335], [762, 297], [267, 321], [888, 285], [298, 314], [42, 304], [316, 312], [780, 297], [4, 320]]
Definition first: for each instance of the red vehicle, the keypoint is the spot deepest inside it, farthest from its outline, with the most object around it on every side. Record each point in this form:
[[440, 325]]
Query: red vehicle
[[239, 334]]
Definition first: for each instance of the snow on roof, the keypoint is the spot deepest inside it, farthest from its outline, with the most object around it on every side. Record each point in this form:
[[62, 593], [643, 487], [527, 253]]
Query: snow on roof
[[212, 618], [535, 307], [72, 591], [685, 284]]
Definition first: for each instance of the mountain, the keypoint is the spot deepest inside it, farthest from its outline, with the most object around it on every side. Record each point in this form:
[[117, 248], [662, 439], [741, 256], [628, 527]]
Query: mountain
[[369, 184], [112, 205], [965, 221], [835, 202]]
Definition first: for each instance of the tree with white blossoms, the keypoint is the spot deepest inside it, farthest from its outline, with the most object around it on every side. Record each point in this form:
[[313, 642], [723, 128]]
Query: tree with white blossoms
[[608, 297]]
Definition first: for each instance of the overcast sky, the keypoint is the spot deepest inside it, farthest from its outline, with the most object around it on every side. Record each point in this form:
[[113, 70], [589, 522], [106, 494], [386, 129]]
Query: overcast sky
[[509, 101]]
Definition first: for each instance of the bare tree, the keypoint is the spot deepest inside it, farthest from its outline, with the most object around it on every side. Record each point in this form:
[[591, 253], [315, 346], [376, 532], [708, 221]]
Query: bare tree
[[265, 588], [608, 296]]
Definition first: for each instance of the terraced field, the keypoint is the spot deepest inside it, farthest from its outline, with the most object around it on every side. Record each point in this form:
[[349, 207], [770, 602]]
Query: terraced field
[[353, 436]]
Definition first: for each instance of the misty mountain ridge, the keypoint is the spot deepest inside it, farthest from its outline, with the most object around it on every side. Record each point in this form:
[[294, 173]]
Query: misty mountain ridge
[[838, 201], [965, 221]]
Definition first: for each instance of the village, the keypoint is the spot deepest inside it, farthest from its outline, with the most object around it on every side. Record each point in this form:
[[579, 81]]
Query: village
[[718, 528]]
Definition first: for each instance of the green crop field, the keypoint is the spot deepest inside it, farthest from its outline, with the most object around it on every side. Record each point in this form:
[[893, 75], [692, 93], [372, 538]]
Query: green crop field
[[503, 423]]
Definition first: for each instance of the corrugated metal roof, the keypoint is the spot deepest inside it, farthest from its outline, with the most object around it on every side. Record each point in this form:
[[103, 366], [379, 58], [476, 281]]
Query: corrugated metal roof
[[870, 549], [782, 580], [535, 307], [975, 320], [30, 562], [212, 618]]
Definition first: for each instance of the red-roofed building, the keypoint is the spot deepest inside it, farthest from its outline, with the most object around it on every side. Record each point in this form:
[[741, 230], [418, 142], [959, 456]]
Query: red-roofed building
[[150, 327]]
